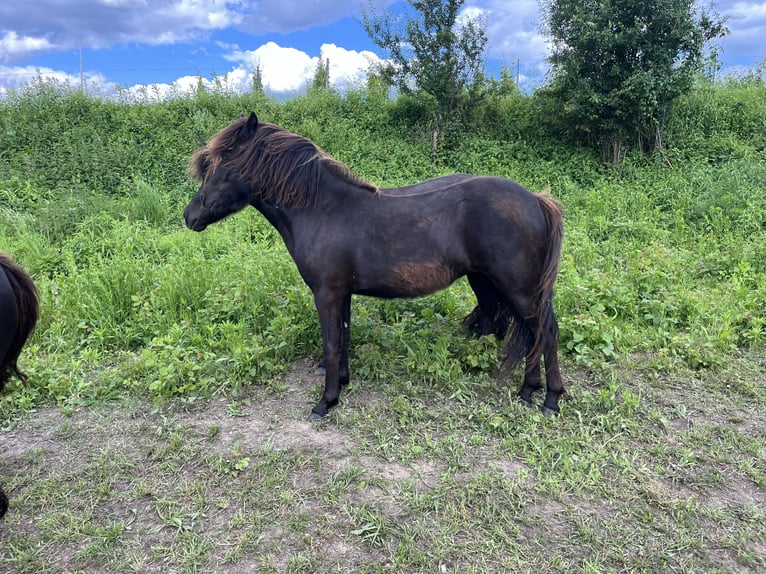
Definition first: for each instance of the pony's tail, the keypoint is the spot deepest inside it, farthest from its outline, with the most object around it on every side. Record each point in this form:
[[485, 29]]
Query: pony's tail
[[522, 342], [28, 306]]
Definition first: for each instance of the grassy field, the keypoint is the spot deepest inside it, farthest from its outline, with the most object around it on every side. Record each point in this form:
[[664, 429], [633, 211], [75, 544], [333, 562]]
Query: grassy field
[[164, 427]]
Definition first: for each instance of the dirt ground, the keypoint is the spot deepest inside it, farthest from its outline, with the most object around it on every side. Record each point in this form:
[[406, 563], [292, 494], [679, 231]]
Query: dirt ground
[[249, 485]]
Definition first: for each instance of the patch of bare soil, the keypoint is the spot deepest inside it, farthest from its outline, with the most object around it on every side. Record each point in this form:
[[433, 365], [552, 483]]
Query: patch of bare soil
[[142, 467], [51, 445], [263, 419]]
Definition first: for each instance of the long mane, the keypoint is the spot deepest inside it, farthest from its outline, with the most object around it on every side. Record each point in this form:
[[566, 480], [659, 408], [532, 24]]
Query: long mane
[[284, 167]]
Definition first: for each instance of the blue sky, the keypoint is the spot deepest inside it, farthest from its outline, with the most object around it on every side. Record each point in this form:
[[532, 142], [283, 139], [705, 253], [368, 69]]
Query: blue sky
[[168, 44]]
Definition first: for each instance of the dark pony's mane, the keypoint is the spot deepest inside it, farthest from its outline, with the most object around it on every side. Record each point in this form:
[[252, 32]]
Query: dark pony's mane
[[282, 166]]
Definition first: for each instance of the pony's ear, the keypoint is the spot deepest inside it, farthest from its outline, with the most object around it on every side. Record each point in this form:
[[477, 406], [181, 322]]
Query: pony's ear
[[252, 123]]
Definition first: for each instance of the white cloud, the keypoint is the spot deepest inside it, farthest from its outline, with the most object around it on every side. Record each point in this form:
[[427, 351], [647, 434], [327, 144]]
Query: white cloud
[[12, 46], [748, 10], [347, 67], [472, 13], [84, 23], [282, 69], [103, 23], [747, 27], [162, 91], [15, 77], [286, 16], [203, 14], [287, 70], [512, 29]]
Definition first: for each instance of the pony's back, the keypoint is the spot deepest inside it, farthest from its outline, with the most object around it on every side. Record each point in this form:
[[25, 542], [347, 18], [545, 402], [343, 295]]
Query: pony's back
[[15, 286]]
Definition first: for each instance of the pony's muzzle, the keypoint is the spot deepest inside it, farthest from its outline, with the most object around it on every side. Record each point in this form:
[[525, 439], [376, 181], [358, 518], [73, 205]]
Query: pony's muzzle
[[193, 220]]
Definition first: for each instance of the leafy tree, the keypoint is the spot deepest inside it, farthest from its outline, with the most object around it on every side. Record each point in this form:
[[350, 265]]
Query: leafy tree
[[433, 53], [617, 66]]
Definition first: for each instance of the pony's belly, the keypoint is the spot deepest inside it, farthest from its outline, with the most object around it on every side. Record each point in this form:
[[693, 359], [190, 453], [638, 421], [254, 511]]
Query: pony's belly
[[411, 280]]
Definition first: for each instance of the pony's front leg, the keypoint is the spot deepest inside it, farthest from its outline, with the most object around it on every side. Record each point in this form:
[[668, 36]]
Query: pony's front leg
[[330, 309], [344, 374], [345, 338]]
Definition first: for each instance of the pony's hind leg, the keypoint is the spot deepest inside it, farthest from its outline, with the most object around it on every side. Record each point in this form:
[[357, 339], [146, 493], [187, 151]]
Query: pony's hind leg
[[489, 316], [545, 334], [554, 385], [532, 381], [3, 503], [523, 335], [535, 337]]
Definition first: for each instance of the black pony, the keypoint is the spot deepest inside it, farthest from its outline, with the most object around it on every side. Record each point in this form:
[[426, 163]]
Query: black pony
[[19, 309], [348, 237]]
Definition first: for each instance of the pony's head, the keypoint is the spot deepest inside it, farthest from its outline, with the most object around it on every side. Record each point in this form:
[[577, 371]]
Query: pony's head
[[224, 190]]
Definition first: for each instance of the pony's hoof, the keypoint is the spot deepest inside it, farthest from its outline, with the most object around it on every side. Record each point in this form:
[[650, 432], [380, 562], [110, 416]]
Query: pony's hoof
[[549, 412], [320, 370], [526, 403], [315, 418]]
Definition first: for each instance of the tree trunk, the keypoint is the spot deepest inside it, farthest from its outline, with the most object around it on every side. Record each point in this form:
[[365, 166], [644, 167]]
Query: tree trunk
[[434, 144]]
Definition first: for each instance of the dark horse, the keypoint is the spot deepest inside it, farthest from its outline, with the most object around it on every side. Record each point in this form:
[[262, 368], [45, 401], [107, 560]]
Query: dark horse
[[348, 237], [19, 308]]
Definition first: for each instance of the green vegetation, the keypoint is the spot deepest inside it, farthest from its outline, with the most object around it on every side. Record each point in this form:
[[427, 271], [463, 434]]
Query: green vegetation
[[178, 439], [618, 66], [434, 57]]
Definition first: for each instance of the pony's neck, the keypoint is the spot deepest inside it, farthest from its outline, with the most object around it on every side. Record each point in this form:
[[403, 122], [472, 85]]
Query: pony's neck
[[278, 216], [335, 191]]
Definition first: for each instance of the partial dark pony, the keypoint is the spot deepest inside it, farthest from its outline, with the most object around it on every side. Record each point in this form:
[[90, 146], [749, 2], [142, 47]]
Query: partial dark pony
[[19, 310], [28, 309]]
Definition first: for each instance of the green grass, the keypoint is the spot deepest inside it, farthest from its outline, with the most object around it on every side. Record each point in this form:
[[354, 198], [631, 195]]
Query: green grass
[[164, 424]]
